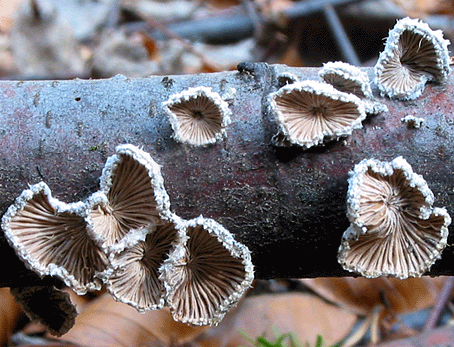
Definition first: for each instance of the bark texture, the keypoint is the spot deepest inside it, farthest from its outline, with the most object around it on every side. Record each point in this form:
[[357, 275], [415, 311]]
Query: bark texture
[[286, 204]]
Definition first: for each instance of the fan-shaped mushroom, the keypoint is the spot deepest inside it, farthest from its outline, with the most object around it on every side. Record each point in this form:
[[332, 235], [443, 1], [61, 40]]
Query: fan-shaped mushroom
[[346, 78], [413, 55], [351, 79], [198, 116], [309, 112], [285, 78], [135, 278], [206, 274], [394, 228], [53, 238], [132, 195]]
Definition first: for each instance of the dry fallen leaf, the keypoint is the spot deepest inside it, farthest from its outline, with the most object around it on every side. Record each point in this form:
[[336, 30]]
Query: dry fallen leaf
[[303, 315], [422, 8], [9, 312], [109, 323], [7, 8], [361, 295]]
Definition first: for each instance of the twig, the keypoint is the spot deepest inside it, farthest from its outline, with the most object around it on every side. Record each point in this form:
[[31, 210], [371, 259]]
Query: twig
[[233, 25], [257, 22], [440, 303], [337, 30], [113, 16], [276, 201], [370, 323]]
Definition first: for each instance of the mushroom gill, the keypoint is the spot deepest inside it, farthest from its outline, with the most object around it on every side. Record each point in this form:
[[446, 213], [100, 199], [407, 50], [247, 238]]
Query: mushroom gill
[[53, 238], [207, 274], [394, 228], [346, 78], [135, 278], [413, 55], [310, 112], [198, 116], [132, 195]]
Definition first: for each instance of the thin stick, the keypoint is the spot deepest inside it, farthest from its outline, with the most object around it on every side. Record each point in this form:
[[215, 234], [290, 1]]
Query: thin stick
[[440, 303]]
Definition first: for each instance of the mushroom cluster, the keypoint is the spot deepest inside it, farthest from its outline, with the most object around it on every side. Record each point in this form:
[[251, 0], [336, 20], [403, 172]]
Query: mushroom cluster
[[125, 236], [309, 112], [394, 230]]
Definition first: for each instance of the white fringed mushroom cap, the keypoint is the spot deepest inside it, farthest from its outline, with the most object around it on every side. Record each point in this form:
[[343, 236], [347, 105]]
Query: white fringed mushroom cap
[[206, 274], [53, 238], [134, 278], [131, 196], [346, 78], [310, 112], [394, 228], [425, 54], [198, 116]]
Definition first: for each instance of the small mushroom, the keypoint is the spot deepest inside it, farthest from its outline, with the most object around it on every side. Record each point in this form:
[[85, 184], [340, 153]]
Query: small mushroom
[[206, 274], [351, 79], [286, 78], [413, 55], [310, 112], [412, 121], [135, 278], [132, 195], [53, 238], [394, 228], [198, 116], [346, 78]]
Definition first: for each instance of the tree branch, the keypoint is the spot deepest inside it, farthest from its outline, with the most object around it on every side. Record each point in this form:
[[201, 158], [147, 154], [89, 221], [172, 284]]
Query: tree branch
[[286, 204]]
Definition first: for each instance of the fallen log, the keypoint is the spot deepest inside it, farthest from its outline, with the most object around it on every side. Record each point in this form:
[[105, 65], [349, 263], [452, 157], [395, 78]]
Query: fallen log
[[287, 204]]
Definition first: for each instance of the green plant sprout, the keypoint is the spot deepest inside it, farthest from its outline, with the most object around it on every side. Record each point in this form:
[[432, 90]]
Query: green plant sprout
[[284, 340]]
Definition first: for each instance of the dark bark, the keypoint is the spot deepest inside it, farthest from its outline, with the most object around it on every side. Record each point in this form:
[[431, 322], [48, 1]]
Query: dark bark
[[286, 204]]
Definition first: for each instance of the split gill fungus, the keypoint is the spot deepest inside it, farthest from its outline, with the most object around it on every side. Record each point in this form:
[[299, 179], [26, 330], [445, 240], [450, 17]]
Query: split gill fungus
[[413, 55], [135, 276], [132, 195], [53, 238], [394, 228], [206, 274], [346, 78], [351, 79], [310, 112], [125, 236], [198, 116]]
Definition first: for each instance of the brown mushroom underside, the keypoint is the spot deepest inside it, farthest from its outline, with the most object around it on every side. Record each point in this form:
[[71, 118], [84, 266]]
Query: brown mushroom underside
[[206, 279], [131, 202], [57, 238]]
